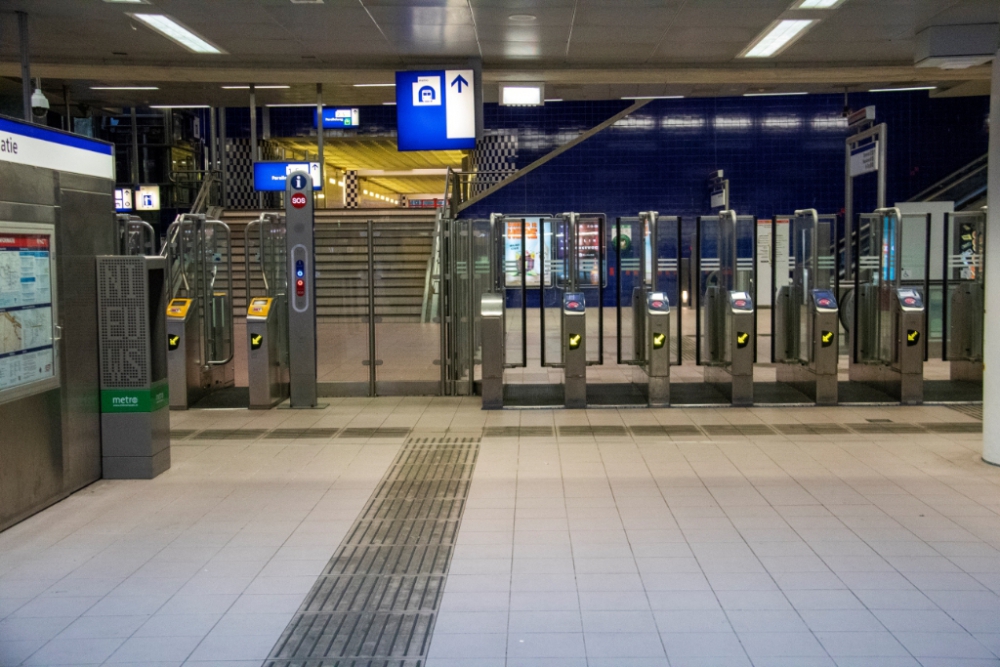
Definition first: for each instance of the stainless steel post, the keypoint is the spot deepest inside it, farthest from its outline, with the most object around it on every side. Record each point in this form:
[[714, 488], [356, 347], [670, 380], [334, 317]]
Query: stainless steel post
[[492, 332], [300, 235], [319, 138], [574, 349], [135, 147], [657, 338], [909, 344]]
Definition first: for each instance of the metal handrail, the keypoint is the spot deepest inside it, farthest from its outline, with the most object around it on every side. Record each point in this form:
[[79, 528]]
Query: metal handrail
[[969, 170]]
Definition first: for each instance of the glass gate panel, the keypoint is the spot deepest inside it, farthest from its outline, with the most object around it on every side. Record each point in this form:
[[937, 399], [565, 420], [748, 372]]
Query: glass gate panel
[[709, 347], [666, 252], [407, 348], [964, 285], [342, 304], [632, 259], [591, 262], [556, 249]]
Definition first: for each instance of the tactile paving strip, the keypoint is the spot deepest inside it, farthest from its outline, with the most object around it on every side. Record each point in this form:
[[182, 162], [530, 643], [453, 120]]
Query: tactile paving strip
[[376, 601]]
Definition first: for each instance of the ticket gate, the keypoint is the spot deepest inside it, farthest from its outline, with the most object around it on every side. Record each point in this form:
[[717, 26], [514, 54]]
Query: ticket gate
[[267, 311], [963, 305], [647, 248], [805, 312], [135, 236], [200, 312], [889, 327], [726, 326]]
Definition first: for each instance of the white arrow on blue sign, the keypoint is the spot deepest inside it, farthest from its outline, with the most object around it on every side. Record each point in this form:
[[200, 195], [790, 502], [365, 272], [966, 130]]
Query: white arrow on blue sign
[[436, 110]]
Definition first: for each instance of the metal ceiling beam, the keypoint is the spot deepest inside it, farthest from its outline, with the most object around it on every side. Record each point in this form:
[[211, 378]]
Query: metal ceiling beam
[[771, 74]]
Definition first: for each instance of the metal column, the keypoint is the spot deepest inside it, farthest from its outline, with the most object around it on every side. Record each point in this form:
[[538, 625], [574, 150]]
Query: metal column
[[22, 29], [300, 235]]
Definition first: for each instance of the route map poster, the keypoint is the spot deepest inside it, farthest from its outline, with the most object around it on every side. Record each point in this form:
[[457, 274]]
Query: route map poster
[[27, 352]]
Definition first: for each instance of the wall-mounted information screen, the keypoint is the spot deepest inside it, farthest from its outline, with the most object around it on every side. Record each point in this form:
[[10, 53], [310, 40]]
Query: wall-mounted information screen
[[28, 361]]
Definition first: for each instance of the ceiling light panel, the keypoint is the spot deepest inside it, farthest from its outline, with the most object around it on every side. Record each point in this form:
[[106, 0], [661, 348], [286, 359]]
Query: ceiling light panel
[[901, 90], [256, 87], [522, 94], [819, 4], [771, 94], [174, 31], [124, 88], [777, 38]]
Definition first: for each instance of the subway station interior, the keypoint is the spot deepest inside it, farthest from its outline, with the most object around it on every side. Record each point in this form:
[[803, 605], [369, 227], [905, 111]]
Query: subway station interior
[[499, 333]]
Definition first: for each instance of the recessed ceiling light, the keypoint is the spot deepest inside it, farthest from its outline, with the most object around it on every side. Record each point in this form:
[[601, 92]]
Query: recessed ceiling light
[[124, 88], [901, 90], [388, 104], [173, 30], [179, 106], [653, 97], [291, 105], [777, 37], [553, 99], [374, 85], [521, 18], [818, 4], [256, 87], [129, 2], [771, 94]]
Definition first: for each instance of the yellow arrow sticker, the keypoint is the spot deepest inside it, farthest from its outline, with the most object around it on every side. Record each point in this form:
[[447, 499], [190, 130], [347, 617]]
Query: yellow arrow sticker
[[827, 338], [912, 337], [256, 340], [574, 341], [658, 340], [742, 338], [173, 342]]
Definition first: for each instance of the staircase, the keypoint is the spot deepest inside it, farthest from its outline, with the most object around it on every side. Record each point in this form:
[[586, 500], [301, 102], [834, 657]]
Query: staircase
[[966, 187], [402, 250]]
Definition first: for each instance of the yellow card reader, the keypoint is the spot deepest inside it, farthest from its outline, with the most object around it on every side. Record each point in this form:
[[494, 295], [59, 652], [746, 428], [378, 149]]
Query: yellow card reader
[[259, 307], [178, 308]]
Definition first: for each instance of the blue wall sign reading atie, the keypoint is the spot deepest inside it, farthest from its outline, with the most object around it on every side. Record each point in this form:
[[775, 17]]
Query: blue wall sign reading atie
[[338, 119], [271, 176], [436, 110]]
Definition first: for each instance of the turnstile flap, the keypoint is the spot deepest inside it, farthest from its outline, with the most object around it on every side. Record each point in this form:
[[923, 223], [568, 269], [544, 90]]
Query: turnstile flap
[[657, 302], [910, 300], [824, 300], [259, 309], [740, 302], [574, 302]]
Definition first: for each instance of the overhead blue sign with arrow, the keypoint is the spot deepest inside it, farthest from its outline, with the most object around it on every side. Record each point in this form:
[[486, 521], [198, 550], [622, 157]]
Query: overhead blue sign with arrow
[[436, 110]]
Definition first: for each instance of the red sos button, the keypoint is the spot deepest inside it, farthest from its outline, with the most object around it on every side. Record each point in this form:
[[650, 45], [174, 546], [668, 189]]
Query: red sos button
[[298, 200]]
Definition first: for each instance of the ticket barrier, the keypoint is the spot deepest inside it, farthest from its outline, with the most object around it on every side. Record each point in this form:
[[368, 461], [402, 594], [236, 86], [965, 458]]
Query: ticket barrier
[[890, 317], [267, 355], [267, 311], [964, 294], [730, 332], [574, 349], [199, 316], [727, 322], [806, 313], [656, 358], [813, 368]]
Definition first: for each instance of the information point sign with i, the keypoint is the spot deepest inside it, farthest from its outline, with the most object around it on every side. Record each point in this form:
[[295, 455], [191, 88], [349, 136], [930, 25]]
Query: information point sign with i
[[436, 110]]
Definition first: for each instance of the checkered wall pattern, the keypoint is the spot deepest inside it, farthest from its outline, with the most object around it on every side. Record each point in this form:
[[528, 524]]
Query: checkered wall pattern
[[240, 194], [495, 158], [352, 194]]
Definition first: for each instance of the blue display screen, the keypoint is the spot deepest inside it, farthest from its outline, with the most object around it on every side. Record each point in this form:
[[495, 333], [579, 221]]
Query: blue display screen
[[272, 176]]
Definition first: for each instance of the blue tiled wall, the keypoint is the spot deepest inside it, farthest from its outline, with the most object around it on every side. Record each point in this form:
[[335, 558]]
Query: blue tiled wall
[[779, 153]]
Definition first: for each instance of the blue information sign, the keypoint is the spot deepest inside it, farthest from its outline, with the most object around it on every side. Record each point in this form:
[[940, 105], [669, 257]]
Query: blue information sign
[[271, 176], [436, 110], [338, 119]]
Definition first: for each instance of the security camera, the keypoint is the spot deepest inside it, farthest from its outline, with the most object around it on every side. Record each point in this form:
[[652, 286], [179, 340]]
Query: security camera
[[39, 103]]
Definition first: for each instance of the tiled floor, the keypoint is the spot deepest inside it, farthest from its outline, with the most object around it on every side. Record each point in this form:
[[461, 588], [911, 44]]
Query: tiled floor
[[776, 550]]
